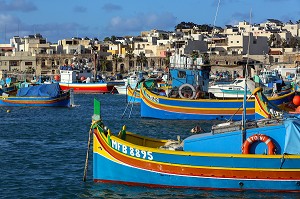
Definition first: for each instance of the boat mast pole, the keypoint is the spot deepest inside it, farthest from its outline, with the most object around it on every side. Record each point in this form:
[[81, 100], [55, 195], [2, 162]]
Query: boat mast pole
[[245, 87], [95, 65]]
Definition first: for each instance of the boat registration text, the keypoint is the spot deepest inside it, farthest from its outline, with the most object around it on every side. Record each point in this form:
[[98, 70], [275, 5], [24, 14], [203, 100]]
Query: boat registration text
[[132, 151]]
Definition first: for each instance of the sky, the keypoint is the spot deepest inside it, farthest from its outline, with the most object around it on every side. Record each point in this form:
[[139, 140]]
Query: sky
[[60, 19]]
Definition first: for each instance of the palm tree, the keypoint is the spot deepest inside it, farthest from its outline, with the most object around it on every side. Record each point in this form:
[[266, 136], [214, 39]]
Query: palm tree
[[103, 63], [195, 54], [116, 59], [141, 59], [129, 55]]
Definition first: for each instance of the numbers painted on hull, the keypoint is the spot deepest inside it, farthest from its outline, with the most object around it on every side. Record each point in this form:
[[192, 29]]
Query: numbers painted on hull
[[147, 155]]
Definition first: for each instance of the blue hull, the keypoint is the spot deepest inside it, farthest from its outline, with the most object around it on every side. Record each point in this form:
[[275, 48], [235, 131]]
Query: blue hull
[[160, 107], [62, 101], [263, 155], [133, 176]]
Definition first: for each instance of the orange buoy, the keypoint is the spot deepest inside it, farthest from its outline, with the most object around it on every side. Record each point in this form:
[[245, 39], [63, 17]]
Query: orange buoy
[[296, 100], [258, 137], [56, 77]]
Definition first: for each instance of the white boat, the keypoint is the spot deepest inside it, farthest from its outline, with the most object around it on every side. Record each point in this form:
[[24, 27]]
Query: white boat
[[131, 81], [234, 89]]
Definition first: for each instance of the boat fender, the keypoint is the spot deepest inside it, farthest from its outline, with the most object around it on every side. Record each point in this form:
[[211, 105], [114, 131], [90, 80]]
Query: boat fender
[[182, 94], [258, 137]]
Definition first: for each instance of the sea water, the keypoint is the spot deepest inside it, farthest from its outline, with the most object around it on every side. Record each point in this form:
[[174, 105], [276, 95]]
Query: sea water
[[43, 151]]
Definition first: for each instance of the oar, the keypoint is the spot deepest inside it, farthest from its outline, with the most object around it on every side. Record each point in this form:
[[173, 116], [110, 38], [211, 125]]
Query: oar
[[87, 156]]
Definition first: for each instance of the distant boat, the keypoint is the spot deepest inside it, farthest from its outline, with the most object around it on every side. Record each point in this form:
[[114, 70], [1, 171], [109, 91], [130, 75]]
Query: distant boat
[[232, 90], [44, 95], [235, 89], [133, 93], [188, 99], [81, 82], [131, 81], [263, 156]]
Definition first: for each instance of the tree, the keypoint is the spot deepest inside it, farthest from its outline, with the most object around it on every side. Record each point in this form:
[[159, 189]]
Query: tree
[[195, 54], [271, 41], [284, 43], [167, 59], [103, 63], [113, 38], [116, 59], [141, 59], [129, 55], [278, 43], [106, 39], [30, 70]]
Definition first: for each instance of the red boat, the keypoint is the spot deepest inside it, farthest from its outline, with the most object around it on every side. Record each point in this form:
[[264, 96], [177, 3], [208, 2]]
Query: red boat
[[80, 82]]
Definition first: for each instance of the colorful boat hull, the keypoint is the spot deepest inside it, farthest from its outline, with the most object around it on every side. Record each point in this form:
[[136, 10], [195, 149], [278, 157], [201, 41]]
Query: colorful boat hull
[[61, 101], [162, 107], [98, 87], [119, 161], [133, 95]]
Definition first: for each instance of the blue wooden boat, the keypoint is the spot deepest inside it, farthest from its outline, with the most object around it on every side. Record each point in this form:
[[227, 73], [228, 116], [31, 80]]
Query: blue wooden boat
[[47, 95], [262, 155], [184, 102], [133, 94]]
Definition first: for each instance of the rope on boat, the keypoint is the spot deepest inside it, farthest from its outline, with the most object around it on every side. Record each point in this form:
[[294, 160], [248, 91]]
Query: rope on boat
[[87, 153], [129, 102], [130, 110], [239, 108]]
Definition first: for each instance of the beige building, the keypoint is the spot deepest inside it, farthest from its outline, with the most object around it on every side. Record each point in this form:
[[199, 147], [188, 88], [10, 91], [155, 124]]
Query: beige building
[[19, 62]]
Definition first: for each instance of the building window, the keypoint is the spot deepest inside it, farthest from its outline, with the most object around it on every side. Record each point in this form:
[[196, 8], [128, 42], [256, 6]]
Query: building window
[[237, 41], [14, 63], [28, 63], [181, 74], [254, 41], [231, 42]]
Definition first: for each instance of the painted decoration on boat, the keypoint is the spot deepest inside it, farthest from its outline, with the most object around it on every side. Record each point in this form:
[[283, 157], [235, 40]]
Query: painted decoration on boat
[[263, 156]]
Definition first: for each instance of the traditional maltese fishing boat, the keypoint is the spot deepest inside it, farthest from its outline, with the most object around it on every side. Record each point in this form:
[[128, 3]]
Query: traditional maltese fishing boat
[[262, 155], [189, 99], [48, 95]]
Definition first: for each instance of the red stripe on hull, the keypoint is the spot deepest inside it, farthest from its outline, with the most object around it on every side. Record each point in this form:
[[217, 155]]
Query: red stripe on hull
[[35, 101], [192, 110], [87, 89]]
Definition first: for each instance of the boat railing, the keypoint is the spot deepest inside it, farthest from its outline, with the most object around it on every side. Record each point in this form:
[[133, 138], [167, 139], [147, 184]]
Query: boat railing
[[232, 126]]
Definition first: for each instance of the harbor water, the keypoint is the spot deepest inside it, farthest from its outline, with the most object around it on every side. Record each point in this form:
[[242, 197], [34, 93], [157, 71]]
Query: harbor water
[[43, 151]]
